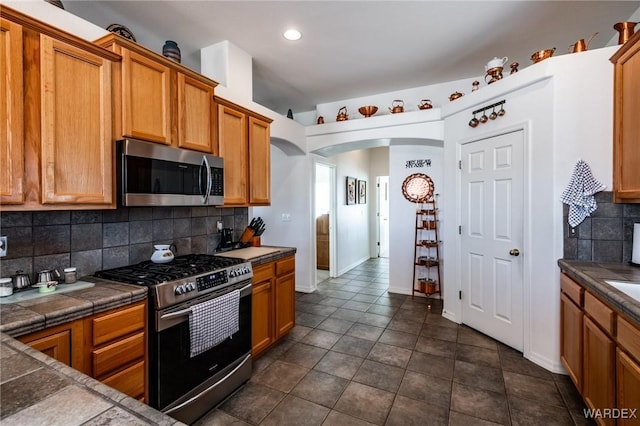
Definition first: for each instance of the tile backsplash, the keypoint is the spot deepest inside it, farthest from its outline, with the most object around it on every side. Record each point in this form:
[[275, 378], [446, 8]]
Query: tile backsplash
[[92, 240], [606, 236]]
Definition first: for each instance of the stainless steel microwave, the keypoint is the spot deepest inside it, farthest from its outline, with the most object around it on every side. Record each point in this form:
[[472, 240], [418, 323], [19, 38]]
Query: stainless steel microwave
[[150, 174]]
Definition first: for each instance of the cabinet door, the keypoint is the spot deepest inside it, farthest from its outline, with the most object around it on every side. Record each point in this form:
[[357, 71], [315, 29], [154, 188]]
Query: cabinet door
[[233, 147], [571, 319], [11, 114], [262, 328], [626, 129], [285, 304], [598, 389], [62, 342], [146, 94], [259, 162], [628, 389], [76, 144], [195, 114]]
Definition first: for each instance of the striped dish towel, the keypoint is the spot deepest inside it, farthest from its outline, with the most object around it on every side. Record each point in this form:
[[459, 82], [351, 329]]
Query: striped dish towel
[[579, 193], [211, 322]]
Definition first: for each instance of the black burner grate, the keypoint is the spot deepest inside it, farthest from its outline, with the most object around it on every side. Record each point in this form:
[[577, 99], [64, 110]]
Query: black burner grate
[[148, 273]]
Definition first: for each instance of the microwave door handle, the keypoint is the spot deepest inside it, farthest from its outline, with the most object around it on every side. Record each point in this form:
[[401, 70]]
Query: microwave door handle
[[207, 190]]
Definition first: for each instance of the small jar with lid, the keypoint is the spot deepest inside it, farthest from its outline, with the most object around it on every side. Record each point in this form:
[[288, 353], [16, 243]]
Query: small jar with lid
[[6, 287], [70, 275]]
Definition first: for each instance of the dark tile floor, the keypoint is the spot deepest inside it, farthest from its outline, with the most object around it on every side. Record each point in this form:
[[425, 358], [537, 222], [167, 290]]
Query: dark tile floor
[[359, 355]]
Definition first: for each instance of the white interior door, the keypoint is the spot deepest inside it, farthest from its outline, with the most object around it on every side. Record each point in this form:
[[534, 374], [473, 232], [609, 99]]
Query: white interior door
[[383, 216], [492, 236]]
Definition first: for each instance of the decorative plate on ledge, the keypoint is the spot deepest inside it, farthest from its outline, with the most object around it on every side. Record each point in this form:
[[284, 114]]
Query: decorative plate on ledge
[[417, 188], [122, 31]]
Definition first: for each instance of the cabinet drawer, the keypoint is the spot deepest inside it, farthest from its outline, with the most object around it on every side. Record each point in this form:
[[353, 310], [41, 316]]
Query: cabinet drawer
[[117, 324], [629, 337], [285, 266], [599, 312], [571, 289], [263, 273], [117, 354], [129, 381]]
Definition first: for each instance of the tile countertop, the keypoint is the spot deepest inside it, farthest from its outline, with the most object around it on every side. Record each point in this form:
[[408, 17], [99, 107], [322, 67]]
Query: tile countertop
[[260, 255], [592, 276], [36, 388], [28, 316]]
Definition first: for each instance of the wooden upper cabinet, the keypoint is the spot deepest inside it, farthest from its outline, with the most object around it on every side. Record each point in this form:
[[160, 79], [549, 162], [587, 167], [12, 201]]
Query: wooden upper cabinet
[[56, 142], [11, 114], [244, 142], [626, 126], [233, 147], [76, 151], [146, 98], [196, 115], [159, 100], [259, 162]]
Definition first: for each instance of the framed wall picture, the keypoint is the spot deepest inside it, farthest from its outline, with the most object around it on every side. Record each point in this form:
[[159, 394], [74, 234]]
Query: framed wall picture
[[351, 190], [362, 192]]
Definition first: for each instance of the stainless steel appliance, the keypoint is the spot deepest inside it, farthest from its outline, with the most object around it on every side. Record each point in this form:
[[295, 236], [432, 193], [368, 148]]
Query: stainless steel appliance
[[150, 174], [182, 386]]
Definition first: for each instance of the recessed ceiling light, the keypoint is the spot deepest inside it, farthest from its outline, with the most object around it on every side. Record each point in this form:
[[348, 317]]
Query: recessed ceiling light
[[292, 34]]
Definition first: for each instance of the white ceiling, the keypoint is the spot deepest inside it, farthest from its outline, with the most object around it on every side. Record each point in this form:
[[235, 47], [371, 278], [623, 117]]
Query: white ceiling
[[356, 48]]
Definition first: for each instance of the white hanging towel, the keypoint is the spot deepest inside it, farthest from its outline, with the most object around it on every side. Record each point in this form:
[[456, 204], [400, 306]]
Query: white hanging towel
[[211, 322], [579, 193]]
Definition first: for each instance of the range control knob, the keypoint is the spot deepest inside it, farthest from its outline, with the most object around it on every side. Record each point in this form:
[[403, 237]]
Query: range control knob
[[189, 287], [180, 290]]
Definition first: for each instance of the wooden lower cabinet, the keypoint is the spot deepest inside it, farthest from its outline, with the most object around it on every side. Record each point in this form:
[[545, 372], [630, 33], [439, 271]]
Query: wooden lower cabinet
[[115, 348], [110, 347], [262, 308], [598, 389], [272, 303], [571, 339], [62, 342], [628, 388], [600, 348]]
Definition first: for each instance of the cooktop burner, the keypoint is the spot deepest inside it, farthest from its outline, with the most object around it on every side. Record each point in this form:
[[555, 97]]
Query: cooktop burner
[[149, 273]]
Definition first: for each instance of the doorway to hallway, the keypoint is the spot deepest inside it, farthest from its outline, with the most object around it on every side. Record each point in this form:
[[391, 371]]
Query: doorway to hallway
[[382, 207], [324, 213]]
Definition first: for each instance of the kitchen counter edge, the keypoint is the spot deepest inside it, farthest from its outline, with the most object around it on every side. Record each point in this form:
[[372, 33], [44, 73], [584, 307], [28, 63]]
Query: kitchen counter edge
[[592, 276], [22, 318], [101, 401], [282, 253]]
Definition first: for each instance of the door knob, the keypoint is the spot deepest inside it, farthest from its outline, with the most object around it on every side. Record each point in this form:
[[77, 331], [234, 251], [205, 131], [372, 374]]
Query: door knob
[[514, 252]]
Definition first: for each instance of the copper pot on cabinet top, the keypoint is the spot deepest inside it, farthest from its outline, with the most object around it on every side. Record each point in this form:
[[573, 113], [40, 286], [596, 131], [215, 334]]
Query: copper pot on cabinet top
[[455, 95], [626, 30], [541, 55]]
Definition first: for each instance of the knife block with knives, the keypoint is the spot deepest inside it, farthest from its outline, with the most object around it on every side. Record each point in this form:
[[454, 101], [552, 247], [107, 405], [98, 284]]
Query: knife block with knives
[[254, 229]]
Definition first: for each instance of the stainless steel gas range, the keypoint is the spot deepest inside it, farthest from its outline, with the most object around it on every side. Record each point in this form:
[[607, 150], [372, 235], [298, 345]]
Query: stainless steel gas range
[[180, 384]]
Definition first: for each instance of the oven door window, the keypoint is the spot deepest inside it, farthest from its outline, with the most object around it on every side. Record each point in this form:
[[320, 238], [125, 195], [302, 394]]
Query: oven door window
[[176, 373]]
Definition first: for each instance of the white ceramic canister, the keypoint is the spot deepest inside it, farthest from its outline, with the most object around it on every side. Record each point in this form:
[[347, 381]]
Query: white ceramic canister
[[6, 287]]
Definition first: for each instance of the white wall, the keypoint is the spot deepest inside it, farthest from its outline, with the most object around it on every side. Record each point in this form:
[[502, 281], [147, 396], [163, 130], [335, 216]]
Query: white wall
[[352, 221], [291, 189], [402, 213], [564, 104]]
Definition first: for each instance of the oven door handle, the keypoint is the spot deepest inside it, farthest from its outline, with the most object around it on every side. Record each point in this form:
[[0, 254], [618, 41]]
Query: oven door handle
[[189, 310], [177, 313]]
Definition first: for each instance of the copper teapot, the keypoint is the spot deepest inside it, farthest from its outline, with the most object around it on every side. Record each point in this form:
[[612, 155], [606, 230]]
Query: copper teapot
[[342, 114], [396, 106], [425, 104]]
